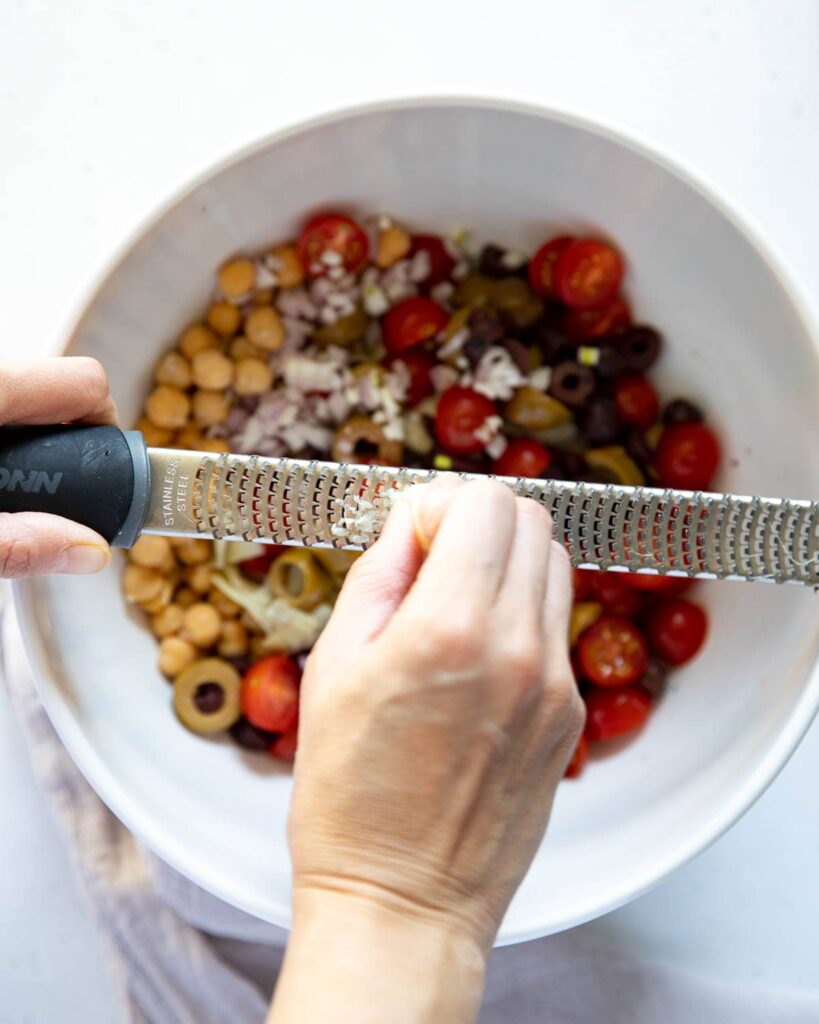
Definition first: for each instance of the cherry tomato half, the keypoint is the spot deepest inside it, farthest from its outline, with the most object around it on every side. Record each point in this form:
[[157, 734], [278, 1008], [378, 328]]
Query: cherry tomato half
[[612, 590], [411, 322], [461, 413], [270, 693], [616, 711], [588, 274], [332, 233], [676, 630], [612, 652], [542, 266], [523, 457], [646, 583], [687, 457], [441, 263], [585, 324], [284, 746], [582, 581], [636, 400], [259, 565], [418, 363], [579, 758]]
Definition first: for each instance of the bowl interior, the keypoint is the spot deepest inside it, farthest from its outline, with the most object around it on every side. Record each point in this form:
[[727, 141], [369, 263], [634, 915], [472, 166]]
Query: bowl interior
[[735, 341]]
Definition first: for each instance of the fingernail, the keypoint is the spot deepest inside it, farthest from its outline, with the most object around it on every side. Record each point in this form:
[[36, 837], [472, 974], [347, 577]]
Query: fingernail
[[82, 559]]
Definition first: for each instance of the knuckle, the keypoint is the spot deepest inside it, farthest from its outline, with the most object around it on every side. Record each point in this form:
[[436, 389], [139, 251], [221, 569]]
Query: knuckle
[[454, 640], [565, 703], [524, 664]]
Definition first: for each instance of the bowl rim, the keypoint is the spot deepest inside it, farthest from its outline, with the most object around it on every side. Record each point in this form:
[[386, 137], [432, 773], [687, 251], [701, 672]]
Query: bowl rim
[[114, 794]]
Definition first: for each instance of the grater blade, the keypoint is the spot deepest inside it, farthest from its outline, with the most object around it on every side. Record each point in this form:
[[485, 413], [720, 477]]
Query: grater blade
[[606, 526]]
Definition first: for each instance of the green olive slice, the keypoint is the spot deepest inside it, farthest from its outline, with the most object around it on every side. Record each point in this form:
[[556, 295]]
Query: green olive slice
[[196, 689]]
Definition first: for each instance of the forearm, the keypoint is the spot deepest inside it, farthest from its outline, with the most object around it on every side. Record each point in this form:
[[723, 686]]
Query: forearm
[[350, 960]]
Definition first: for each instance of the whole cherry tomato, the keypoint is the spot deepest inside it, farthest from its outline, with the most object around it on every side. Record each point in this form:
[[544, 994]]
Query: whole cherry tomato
[[411, 322], [588, 274], [585, 324], [418, 363], [332, 233], [284, 746], [461, 413], [441, 263], [616, 711], [612, 590], [523, 456], [636, 400], [269, 695], [646, 583], [687, 457], [542, 266], [582, 581], [612, 652], [579, 758], [676, 630]]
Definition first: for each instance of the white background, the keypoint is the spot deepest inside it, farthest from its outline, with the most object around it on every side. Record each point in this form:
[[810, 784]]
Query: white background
[[106, 108]]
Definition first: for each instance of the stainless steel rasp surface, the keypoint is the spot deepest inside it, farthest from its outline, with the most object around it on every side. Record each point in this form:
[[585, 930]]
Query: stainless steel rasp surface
[[286, 501]]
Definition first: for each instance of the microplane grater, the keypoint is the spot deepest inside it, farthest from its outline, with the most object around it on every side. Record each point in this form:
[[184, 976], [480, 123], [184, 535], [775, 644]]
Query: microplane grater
[[109, 480]]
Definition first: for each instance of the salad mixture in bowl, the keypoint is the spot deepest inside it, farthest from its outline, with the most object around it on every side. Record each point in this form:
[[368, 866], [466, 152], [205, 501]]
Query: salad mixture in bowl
[[365, 342]]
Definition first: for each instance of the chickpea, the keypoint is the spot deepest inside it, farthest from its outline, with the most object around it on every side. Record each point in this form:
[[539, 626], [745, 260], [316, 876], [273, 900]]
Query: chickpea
[[264, 297], [162, 599], [168, 407], [152, 552], [201, 624], [240, 348], [188, 437], [236, 278], [213, 444], [393, 245], [222, 603], [195, 339], [141, 584], [174, 369], [192, 550], [198, 577], [264, 328], [233, 641], [252, 377], [224, 319], [287, 268], [210, 407], [175, 654], [185, 597], [211, 369], [155, 437], [168, 621]]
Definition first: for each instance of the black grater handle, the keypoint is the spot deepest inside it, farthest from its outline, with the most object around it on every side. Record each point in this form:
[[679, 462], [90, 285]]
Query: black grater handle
[[96, 476]]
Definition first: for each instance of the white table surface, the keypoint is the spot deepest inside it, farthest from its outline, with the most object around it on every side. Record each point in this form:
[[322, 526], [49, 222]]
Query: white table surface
[[105, 108]]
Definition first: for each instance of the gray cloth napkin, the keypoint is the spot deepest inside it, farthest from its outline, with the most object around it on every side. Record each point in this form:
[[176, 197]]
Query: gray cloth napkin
[[185, 957]]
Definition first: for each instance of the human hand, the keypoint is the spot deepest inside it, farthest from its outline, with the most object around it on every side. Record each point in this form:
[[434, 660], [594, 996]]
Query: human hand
[[439, 712], [51, 391]]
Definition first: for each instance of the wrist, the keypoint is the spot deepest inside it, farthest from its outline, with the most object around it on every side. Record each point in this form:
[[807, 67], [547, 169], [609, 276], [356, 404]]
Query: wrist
[[361, 959]]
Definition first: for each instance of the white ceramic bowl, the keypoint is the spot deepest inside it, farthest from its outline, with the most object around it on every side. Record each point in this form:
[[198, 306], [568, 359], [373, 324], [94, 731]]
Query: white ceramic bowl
[[738, 339]]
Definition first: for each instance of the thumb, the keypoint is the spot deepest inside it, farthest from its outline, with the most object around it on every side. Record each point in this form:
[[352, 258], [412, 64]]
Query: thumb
[[37, 544], [380, 580]]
